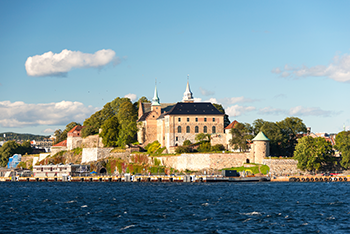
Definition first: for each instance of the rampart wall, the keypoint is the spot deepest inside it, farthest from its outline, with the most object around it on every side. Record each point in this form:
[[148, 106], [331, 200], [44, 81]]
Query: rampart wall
[[196, 162]]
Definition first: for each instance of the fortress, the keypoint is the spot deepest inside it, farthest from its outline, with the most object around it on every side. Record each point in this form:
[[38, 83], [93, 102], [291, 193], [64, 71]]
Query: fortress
[[173, 123]]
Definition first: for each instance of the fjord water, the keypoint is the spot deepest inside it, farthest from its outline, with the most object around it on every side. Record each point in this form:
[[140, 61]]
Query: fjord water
[[88, 207]]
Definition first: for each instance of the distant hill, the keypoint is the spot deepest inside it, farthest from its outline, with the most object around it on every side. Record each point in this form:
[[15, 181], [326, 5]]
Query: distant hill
[[21, 137]]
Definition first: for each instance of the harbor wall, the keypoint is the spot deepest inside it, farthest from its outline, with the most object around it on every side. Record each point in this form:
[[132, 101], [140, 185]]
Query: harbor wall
[[196, 162]]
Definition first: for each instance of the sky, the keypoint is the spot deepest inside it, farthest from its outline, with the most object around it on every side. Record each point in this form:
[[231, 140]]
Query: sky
[[61, 61]]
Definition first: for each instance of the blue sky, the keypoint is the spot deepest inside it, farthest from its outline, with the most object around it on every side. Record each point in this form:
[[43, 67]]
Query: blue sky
[[60, 61]]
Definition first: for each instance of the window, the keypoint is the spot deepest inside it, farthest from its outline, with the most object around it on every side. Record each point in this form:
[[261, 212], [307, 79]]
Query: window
[[213, 119], [179, 119], [213, 129], [205, 130], [196, 119], [179, 129], [188, 129], [176, 138], [196, 129], [205, 119], [188, 119]]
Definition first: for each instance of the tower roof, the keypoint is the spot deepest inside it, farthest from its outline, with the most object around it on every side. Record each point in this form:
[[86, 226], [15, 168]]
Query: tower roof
[[261, 137], [155, 100], [188, 96]]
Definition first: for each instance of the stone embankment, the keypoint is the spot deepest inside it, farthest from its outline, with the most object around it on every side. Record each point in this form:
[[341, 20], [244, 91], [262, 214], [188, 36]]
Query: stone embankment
[[279, 167]]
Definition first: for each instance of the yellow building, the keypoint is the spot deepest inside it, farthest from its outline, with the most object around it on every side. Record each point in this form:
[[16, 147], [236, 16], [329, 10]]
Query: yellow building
[[172, 124]]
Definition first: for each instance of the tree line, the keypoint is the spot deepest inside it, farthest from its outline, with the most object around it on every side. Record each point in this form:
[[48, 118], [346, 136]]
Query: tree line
[[283, 135]]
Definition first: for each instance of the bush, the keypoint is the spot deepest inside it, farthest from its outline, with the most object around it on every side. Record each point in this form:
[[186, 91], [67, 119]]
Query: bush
[[204, 147], [152, 147], [218, 147], [182, 149], [187, 142]]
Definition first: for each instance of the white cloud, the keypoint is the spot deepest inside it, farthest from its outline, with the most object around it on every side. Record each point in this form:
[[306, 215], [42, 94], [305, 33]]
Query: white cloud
[[20, 114], [50, 64], [309, 111], [233, 100], [197, 99], [271, 111], [48, 130], [338, 70], [237, 110], [131, 96], [205, 92], [276, 70]]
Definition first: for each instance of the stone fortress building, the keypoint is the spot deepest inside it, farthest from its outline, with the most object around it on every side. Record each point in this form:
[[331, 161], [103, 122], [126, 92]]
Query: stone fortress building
[[173, 123]]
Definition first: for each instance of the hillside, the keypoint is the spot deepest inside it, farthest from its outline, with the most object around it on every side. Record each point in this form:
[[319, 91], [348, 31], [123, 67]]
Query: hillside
[[21, 137]]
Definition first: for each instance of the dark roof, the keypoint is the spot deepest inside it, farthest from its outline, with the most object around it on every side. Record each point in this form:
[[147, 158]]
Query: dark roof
[[165, 107], [143, 117], [194, 108]]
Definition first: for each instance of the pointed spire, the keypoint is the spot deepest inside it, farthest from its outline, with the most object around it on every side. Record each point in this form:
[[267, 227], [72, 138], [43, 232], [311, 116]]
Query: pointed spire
[[155, 100], [188, 96]]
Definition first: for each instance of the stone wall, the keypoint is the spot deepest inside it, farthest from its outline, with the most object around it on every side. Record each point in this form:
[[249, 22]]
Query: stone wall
[[196, 162], [94, 141], [282, 166], [56, 149], [94, 154]]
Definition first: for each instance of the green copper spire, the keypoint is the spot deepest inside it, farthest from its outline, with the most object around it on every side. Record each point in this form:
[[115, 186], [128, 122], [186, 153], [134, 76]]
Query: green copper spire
[[155, 100], [261, 137]]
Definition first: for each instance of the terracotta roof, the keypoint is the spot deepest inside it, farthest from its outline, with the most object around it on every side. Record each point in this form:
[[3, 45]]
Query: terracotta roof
[[62, 143], [232, 125], [194, 108], [76, 128]]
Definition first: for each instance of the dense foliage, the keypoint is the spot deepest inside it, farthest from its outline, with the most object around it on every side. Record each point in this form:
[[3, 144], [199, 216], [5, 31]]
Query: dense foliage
[[10, 148], [240, 136], [311, 153], [342, 143], [10, 136], [283, 135]]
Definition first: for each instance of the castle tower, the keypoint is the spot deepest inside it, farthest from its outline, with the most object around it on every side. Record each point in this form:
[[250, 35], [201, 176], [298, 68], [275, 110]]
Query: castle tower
[[188, 96], [156, 102], [261, 148]]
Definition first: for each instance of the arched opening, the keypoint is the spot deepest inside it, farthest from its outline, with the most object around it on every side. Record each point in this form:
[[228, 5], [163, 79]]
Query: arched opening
[[205, 129], [213, 129], [188, 129], [103, 170], [179, 129], [196, 129], [247, 160]]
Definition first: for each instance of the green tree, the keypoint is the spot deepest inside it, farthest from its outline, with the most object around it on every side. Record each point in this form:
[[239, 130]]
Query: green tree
[[143, 99], [292, 128], [95, 121], [277, 138], [110, 131], [342, 143], [10, 148], [186, 143], [222, 110], [127, 117], [202, 137], [257, 124], [311, 153], [240, 136]]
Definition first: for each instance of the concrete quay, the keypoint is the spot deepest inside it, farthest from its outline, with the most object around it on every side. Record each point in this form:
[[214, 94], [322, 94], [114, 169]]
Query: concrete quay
[[183, 178]]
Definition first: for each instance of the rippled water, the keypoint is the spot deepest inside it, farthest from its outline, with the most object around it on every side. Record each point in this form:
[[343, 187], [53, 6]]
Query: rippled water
[[58, 207]]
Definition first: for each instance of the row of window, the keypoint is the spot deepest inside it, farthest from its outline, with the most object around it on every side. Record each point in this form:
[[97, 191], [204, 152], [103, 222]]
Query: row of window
[[196, 119], [196, 129]]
